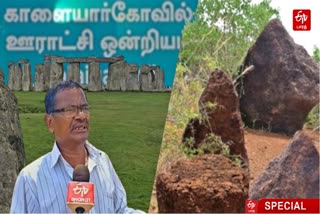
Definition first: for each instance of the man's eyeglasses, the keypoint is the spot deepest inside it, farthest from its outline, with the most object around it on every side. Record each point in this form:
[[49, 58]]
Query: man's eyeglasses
[[72, 111]]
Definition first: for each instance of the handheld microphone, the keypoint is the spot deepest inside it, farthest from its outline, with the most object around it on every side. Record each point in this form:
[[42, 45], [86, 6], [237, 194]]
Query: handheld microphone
[[80, 195]]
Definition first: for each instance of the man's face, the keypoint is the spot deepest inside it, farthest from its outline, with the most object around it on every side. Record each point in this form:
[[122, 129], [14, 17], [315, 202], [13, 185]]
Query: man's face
[[69, 128]]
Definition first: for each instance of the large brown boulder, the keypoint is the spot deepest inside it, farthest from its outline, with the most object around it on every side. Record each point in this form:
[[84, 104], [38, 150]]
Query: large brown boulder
[[205, 184], [219, 107], [12, 156], [283, 87], [295, 174]]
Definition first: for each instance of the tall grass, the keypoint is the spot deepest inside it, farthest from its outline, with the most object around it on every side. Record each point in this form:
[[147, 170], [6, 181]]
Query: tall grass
[[128, 126]]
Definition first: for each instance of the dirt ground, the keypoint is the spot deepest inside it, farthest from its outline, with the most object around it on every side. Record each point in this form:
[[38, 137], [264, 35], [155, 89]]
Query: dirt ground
[[261, 147]]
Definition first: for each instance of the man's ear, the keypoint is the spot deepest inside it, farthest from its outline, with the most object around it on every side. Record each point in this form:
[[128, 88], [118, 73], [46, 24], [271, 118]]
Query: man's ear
[[48, 119]]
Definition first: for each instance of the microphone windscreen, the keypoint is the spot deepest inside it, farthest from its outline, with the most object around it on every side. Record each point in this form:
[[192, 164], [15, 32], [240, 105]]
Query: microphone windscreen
[[81, 173]]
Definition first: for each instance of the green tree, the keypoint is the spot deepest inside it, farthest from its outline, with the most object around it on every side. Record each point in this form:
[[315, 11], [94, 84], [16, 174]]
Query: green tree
[[219, 37], [222, 33]]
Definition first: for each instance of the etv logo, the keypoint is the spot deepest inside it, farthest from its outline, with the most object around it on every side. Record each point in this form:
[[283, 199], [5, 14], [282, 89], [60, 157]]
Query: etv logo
[[80, 189], [301, 20], [251, 206]]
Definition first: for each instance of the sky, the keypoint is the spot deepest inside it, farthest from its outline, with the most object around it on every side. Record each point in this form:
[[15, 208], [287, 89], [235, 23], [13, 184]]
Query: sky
[[308, 39]]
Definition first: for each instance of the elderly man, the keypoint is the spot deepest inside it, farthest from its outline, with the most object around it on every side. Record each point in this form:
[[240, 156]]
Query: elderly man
[[41, 187]]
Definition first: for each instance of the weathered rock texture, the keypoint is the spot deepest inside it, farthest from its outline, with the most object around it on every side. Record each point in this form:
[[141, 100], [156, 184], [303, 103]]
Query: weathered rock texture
[[26, 76], [11, 75], [40, 79], [123, 77], [46, 74], [151, 78], [223, 120], [1, 78], [159, 75], [132, 83], [205, 184], [117, 76], [74, 72], [12, 155], [295, 174], [284, 85], [17, 78], [56, 73], [95, 82]]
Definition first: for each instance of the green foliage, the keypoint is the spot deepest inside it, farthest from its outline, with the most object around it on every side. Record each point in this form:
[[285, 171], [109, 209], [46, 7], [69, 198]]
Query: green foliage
[[184, 93], [219, 37], [316, 54], [313, 118], [222, 33], [212, 145], [127, 126]]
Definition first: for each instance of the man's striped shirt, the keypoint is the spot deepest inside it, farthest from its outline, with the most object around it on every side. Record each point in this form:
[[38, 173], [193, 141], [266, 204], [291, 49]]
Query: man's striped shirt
[[41, 187]]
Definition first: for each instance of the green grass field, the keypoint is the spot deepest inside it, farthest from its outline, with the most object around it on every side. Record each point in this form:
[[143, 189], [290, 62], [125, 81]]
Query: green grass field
[[128, 126]]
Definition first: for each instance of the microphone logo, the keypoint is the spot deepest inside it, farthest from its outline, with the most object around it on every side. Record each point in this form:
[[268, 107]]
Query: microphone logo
[[80, 189]]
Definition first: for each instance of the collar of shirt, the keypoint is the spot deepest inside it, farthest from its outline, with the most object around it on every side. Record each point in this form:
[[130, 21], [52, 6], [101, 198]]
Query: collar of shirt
[[93, 158]]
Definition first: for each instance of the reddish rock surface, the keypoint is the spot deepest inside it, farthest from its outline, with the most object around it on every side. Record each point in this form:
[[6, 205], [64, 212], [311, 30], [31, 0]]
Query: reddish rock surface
[[295, 174], [224, 120], [205, 184], [283, 87]]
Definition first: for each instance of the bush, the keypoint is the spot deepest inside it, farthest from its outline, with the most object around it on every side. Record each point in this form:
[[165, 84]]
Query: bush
[[212, 145], [313, 118]]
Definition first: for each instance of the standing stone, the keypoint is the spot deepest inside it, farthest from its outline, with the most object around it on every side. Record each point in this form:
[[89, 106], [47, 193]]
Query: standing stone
[[133, 83], [219, 107], [147, 78], [113, 81], [284, 85], [124, 72], [159, 76], [11, 75], [26, 76], [295, 174], [117, 76], [39, 82], [17, 84], [12, 156], [74, 72], [95, 83], [56, 73], [204, 184], [46, 74]]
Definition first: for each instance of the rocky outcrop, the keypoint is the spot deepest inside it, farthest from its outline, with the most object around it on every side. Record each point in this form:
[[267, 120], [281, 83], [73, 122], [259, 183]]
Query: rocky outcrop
[[205, 184], [295, 174], [283, 87], [12, 156], [219, 106]]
